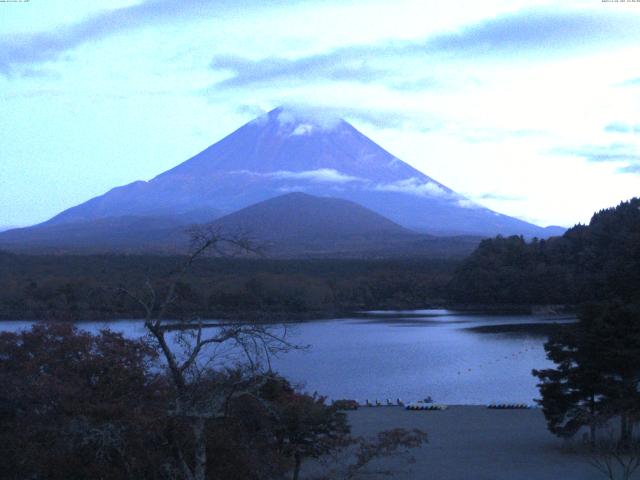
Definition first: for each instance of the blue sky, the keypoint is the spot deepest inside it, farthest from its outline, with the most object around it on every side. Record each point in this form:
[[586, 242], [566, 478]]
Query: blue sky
[[527, 107]]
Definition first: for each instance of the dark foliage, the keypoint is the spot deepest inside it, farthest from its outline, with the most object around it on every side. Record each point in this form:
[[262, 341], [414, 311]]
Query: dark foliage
[[305, 426], [87, 287], [75, 405], [571, 392], [597, 376], [597, 267], [600, 261]]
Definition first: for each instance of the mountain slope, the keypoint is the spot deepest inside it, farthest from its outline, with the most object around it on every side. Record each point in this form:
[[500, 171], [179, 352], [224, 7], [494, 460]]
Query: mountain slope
[[294, 225], [302, 225], [126, 233], [287, 150], [299, 215]]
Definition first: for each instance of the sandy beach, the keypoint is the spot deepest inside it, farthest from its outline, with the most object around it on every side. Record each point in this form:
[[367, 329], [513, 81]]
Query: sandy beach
[[476, 443]]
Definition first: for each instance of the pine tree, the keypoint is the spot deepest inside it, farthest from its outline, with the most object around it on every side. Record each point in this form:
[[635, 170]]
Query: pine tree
[[597, 372], [572, 392], [617, 329]]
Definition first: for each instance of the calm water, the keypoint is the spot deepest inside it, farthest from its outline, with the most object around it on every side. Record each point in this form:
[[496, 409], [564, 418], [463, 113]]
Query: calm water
[[404, 354]]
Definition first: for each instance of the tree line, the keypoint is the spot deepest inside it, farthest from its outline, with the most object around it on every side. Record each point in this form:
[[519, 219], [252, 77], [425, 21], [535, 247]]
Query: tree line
[[596, 377], [77, 287], [598, 261]]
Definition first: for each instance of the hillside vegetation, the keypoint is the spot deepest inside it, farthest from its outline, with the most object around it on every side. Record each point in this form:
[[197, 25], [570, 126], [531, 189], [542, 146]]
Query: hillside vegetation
[[87, 287], [591, 262]]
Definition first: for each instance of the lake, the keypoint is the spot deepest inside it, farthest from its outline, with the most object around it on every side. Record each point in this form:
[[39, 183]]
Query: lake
[[405, 354]]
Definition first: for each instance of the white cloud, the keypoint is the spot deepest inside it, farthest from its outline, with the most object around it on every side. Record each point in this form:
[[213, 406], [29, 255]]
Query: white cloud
[[321, 175], [414, 186], [466, 203], [291, 188], [325, 119], [328, 175], [286, 119], [302, 129]]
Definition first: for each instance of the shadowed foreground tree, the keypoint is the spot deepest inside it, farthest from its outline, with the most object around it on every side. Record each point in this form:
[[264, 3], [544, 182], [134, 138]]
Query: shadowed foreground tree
[[196, 352], [597, 374], [304, 425], [194, 400], [617, 327], [571, 392], [76, 405], [306, 428]]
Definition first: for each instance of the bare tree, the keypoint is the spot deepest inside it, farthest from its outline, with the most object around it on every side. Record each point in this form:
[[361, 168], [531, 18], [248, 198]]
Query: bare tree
[[193, 350]]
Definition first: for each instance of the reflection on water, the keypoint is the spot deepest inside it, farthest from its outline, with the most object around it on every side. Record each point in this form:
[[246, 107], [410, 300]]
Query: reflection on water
[[405, 354]]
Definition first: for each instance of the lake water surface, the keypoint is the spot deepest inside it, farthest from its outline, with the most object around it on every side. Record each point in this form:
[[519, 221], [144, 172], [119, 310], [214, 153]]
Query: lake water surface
[[407, 355]]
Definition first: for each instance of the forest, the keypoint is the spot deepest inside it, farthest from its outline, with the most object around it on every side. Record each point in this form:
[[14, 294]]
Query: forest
[[595, 380], [74, 287], [598, 261]]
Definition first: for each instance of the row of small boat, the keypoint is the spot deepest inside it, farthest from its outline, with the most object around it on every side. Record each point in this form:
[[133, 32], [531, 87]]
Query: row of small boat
[[425, 406], [428, 405], [387, 403], [508, 406]]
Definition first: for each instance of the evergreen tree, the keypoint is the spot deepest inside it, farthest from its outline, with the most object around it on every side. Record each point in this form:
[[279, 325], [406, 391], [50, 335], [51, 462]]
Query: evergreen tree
[[616, 326], [597, 374], [572, 392], [595, 262]]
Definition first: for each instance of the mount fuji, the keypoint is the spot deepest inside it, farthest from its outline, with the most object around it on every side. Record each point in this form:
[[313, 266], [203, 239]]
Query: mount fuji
[[285, 150]]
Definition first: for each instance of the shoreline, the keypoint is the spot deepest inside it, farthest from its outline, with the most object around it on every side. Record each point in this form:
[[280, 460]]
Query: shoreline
[[301, 316]]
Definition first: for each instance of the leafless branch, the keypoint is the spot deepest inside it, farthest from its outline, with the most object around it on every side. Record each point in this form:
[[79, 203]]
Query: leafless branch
[[200, 393]]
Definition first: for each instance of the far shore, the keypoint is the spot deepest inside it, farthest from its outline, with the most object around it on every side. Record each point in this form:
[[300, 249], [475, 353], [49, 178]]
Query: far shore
[[284, 316], [478, 443], [540, 329]]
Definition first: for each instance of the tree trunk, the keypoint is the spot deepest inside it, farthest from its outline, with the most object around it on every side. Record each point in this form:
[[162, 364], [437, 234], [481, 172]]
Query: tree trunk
[[592, 423], [200, 445], [177, 453], [296, 468]]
